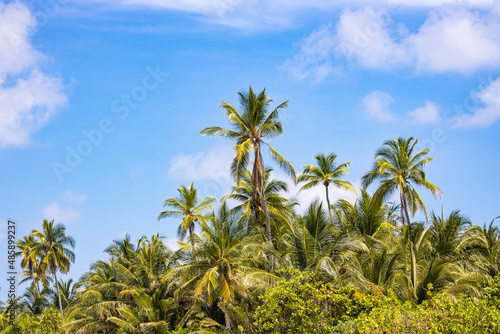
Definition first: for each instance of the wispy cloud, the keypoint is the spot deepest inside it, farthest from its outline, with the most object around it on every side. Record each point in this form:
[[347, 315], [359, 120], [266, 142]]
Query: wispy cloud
[[28, 97], [429, 113], [206, 165], [66, 212], [313, 61], [376, 106], [488, 110], [452, 39], [267, 15]]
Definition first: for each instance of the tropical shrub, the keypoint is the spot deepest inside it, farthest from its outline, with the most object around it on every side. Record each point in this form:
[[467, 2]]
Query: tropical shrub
[[300, 304], [441, 314]]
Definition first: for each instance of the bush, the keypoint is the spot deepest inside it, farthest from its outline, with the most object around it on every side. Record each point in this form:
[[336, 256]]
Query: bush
[[302, 305], [441, 314]]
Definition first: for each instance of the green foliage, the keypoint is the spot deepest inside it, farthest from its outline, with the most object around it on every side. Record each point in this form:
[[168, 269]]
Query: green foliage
[[301, 304], [441, 314], [347, 268], [492, 293], [49, 322]]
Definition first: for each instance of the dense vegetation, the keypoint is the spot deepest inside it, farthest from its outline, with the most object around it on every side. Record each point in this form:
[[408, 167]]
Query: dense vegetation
[[253, 264]]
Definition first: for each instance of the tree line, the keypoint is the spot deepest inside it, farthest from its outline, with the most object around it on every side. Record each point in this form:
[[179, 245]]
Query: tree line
[[252, 263]]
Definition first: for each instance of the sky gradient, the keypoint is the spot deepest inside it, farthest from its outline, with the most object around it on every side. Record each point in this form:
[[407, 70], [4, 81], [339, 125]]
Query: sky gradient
[[101, 102]]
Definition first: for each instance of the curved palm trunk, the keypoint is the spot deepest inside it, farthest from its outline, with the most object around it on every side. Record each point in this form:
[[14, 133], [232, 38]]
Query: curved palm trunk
[[258, 183], [54, 273], [328, 203]]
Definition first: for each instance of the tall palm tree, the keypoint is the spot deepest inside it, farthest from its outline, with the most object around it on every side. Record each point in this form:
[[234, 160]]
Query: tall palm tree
[[327, 172], [53, 243], [251, 127], [400, 168], [187, 205], [28, 247]]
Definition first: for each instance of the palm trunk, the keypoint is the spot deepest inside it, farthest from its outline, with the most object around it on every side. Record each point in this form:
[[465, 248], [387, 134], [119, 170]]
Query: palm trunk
[[228, 321], [54, 272], [405, 215], [257, 215], [191, 236], [328, 203], [258, 183], [35, 282]]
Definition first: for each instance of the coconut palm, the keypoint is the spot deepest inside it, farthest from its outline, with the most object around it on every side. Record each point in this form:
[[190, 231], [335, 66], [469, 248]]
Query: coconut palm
[[251, 126], [400, 168], [187, 205], [485, 243], [280, 208], [217, 269], [35, 301], [366, 216], [147, 314], [28, 247], [53, 243], [318, 245], [326, 171], [68, 291], [96, 300], [436, 258]]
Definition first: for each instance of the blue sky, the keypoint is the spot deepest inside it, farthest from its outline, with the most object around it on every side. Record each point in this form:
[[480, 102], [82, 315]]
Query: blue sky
[[101, 101]]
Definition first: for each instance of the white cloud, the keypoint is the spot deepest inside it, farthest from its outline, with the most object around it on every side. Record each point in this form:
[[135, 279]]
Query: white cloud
[[452, 39], [67, 213], [212, 167], [489, 112], [28, 97], [264, 14], [429, 113], [172, 243], [376, 106], [61, 215], [313, 62], [364, 35], [456, 40], [208, 165]]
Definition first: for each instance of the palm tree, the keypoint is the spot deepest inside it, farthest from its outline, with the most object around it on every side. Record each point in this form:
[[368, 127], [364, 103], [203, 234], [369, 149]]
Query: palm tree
[[484, 242], [400, 169], [53, 243], [68, 292], [280, 208], [251, 126], [318, 245], [149, 314], [325, 171], [217, 270], [366, 216], [28, 247], [187, 205]]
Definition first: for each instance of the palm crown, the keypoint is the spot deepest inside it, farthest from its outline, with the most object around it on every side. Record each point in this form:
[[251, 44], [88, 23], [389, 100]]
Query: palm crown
[[250, 127], [187, 205], [327, 172], [399, 168]]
